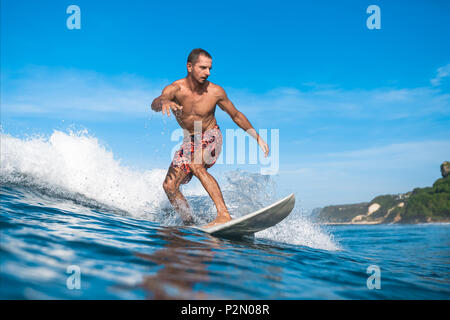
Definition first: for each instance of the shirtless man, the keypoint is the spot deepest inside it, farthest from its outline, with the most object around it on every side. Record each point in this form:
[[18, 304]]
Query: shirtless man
[[193, 101]]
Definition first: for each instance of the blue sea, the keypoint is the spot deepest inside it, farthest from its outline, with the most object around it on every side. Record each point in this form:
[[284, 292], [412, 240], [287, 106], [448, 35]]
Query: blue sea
[[76, 224]]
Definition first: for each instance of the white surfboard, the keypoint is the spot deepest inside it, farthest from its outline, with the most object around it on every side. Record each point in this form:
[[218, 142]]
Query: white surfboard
[[255, 221]]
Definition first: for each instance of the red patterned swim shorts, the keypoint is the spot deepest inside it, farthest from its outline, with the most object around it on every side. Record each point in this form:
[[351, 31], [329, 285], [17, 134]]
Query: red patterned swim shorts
[[211, 144]]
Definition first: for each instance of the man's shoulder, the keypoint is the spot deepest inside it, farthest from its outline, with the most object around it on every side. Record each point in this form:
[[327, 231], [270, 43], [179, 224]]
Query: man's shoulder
[[216, 89], [178, 84]]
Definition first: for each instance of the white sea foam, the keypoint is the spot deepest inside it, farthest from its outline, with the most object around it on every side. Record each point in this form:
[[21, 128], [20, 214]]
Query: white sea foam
[[76, 165], [299, 230]]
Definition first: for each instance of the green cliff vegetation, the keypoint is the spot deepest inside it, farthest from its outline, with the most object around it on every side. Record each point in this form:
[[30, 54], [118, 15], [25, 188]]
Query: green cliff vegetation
[[431, 204]]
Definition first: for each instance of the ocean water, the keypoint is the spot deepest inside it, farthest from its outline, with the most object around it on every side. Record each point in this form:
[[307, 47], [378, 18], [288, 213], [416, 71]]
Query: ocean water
[[76, 224]]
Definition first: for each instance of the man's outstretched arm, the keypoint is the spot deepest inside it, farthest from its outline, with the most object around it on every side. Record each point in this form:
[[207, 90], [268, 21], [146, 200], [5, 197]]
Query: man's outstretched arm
[[165, 101], [240, 119]]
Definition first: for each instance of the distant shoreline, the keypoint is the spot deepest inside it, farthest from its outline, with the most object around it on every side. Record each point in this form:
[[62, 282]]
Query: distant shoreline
[[421, 205]]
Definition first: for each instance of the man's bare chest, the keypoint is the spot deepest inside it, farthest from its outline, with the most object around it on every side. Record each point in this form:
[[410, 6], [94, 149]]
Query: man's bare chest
[[197, 104]]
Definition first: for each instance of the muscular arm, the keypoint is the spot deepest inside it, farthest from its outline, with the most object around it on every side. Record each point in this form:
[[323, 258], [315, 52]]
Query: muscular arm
[[168, 95], [238, 117]]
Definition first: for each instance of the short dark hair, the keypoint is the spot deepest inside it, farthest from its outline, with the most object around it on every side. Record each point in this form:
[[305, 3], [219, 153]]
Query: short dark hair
[[193, 56]]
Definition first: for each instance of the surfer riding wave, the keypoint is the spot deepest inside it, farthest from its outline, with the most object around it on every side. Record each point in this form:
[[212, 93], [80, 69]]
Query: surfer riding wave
[[193, 101]]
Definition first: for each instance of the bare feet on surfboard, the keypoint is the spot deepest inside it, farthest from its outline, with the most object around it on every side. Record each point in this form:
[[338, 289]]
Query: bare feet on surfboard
[[217, 221]]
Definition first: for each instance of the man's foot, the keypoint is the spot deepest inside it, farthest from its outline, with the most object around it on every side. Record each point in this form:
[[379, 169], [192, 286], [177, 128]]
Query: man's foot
[[217, 221], [188, 221]]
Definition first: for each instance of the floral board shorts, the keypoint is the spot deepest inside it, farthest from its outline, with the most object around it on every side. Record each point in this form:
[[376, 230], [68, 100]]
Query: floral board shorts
[[211, 144]]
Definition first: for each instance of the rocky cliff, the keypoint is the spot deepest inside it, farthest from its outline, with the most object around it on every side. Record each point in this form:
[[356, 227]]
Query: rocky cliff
[[431, 204]]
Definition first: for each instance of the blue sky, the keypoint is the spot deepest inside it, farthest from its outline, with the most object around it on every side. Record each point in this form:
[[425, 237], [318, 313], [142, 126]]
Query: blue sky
[[360, 112]]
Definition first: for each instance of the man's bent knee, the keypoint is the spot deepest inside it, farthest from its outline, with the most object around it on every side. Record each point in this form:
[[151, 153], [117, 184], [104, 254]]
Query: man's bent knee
[[197, 169], [169, 187]]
